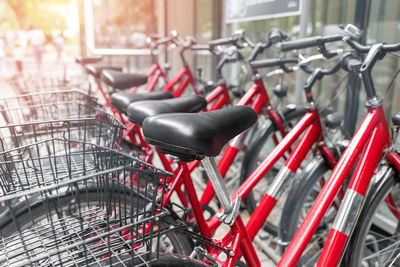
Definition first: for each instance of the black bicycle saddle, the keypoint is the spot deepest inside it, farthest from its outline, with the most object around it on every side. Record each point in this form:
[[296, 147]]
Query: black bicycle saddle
[[191, 136], [139, 111], [120, 101], [121, 80]]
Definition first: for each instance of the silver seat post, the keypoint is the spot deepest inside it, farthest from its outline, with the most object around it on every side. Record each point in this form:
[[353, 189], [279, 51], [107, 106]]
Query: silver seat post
[[218, 183]]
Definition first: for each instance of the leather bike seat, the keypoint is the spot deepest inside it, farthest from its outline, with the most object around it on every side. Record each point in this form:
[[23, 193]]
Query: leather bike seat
[[139, 111], [120, 101], [191, 136], [122, 80]]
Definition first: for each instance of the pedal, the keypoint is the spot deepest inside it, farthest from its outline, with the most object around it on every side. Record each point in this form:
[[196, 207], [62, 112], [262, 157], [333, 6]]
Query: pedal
[[201, 253]]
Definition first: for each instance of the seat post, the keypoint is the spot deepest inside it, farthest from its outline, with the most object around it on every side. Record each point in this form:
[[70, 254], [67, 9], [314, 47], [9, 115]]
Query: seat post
[[218, 183]]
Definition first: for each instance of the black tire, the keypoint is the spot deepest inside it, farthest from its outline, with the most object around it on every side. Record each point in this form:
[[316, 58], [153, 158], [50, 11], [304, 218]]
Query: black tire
[[369, 226], [34, 209], [253, 156], [163, 260], [303, 184]]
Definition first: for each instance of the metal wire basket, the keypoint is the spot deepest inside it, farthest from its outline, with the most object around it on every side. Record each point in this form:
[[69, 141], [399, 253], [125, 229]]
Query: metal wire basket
[[100, 128], [35, 84], [46, 106], [91, 206]]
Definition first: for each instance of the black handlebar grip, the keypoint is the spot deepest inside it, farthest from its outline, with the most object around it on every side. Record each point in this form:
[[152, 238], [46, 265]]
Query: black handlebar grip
[[299, 44], [309, 42], [222, 41], [332, 38]]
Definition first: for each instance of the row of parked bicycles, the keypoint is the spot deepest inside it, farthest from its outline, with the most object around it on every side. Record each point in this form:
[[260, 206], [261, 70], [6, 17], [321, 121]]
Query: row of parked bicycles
[[139, 169]]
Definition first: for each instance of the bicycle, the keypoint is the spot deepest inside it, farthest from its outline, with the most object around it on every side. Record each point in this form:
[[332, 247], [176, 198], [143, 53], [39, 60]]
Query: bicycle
[[369, 143], [262, 144], [170, 139]]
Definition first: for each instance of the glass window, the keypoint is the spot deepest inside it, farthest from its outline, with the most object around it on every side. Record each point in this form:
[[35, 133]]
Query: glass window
[[384, 26], [324, 18], [126, 26]]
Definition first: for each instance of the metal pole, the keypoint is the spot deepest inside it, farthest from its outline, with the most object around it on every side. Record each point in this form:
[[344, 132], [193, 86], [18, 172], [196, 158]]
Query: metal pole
[[195, 21], [218, 21], [361, 17], [218, 184], [165, 30], [305, 10]]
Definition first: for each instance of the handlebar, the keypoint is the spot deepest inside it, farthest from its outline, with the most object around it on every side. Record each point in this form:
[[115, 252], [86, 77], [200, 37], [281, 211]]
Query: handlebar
[[366, 48], [161, 41], [348, 62], [375, 52], [275, 35], [222, 41], [258, 48], [275, 62], [235, 40], [309, 42]]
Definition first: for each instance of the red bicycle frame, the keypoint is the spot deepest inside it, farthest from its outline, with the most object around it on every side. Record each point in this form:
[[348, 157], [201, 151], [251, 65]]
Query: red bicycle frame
[[367, 146], [371, 138], [181, 80], [257, 98], [241, 236], [154, 74]]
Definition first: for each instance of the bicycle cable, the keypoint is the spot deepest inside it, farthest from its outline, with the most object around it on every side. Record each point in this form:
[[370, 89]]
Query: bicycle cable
[[338, 92], [391, 83]]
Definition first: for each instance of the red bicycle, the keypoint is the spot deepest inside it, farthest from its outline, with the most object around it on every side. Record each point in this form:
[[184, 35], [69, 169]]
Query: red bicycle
[[194, 136], [370, 144]]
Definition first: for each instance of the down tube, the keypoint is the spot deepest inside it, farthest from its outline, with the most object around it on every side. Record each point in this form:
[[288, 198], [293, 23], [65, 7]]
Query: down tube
[[274, 190], [269, 161], [329, 191], [349, 209]]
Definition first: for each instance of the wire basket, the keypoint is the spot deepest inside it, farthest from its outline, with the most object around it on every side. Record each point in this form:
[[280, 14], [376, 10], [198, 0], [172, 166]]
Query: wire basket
[[46, 106], [34, 84], [78, 208], [100, 129]]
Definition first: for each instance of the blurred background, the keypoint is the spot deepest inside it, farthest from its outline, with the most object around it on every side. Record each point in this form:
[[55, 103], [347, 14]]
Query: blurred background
[[37, 31]]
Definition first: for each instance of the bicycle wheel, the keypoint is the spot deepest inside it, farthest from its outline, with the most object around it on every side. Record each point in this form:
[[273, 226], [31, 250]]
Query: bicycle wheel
[[375, 240], [36, 217], [299, 198], [258, 149]]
